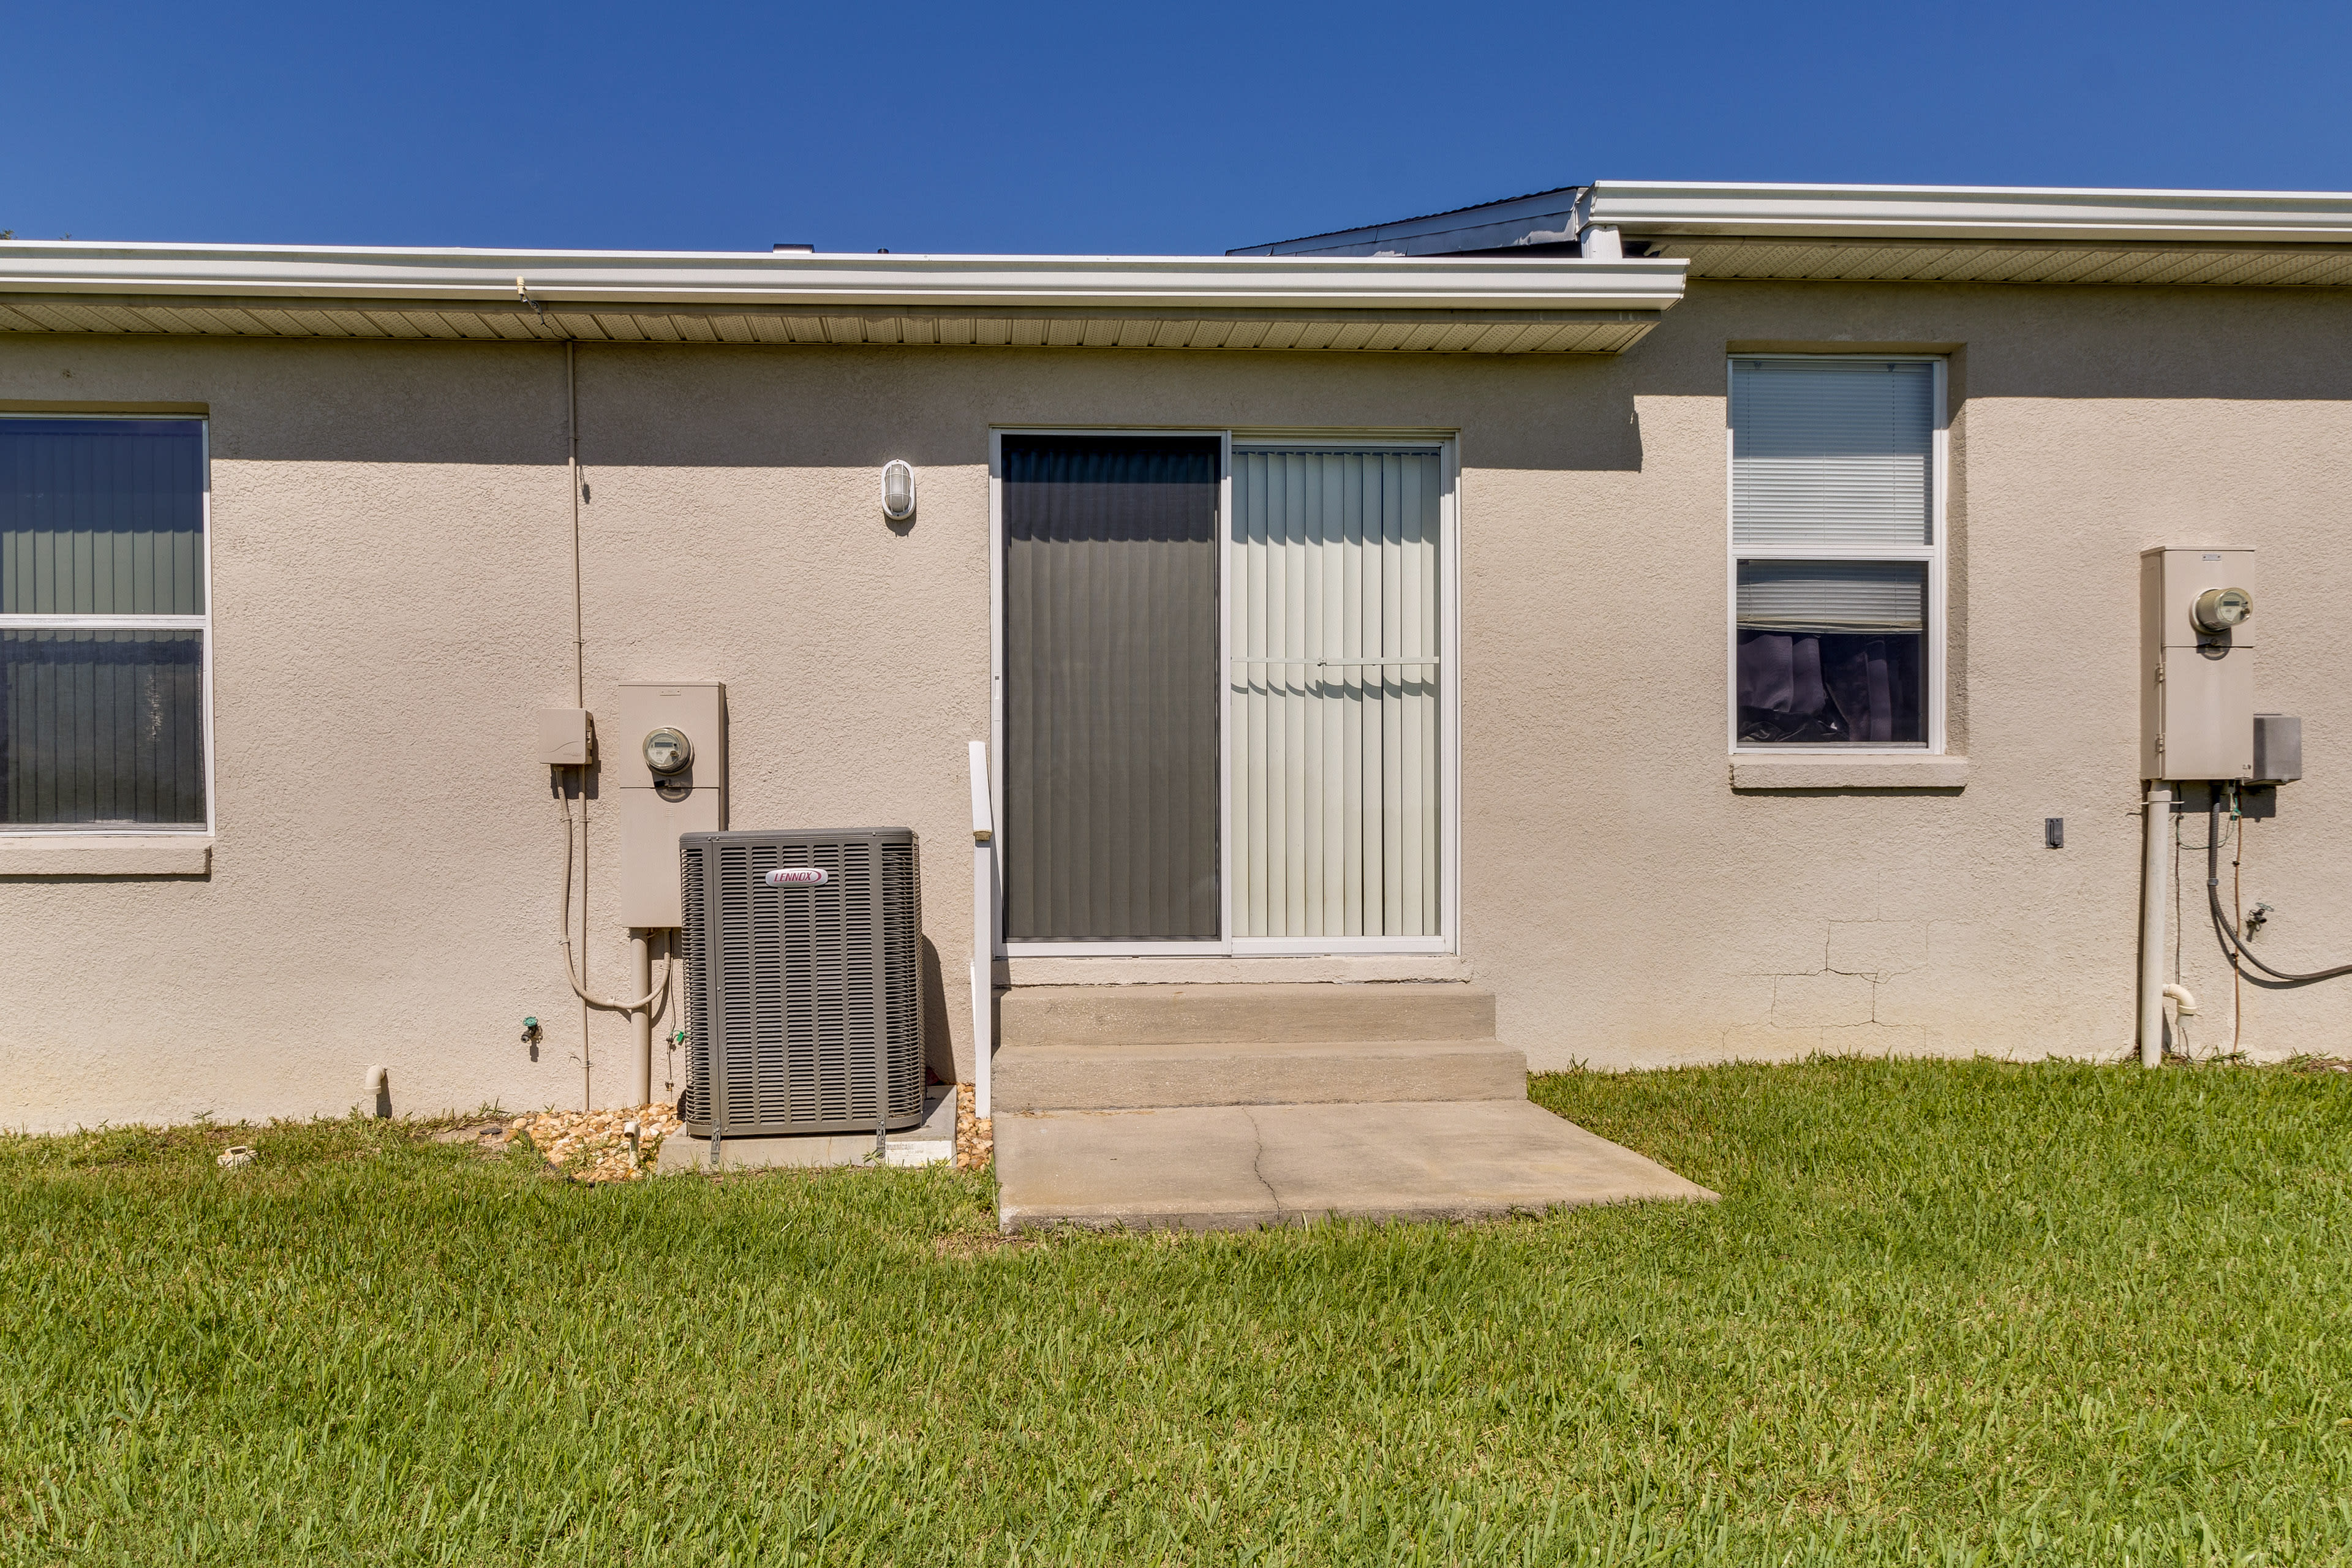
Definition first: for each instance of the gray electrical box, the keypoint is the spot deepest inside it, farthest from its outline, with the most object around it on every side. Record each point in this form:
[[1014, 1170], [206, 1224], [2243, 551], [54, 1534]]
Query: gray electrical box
[[566, 738], [2278, 748], [665, 763], [2197, 664]]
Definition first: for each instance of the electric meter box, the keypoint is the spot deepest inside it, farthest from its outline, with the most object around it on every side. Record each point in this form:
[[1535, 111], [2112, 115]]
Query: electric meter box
[[2197, 664], [665, 760]]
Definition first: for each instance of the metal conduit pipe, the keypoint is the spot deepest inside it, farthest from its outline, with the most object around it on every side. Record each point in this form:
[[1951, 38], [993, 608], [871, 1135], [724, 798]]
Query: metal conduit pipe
[[579, 672]]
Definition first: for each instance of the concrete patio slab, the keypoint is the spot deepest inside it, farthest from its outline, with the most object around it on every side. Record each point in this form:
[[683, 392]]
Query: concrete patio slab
[[1237, 1167]]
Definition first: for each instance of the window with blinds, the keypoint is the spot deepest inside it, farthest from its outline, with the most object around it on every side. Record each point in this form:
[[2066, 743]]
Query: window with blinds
[[104, 622], [1833, 526]]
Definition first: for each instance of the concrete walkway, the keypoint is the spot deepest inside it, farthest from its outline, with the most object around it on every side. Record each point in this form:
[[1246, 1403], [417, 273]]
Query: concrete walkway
[[1237, 1167]]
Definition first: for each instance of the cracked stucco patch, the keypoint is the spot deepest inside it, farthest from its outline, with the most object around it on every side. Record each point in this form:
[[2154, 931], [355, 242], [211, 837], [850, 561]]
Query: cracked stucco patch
[[1815, 1001], [1877, 949], [1826, 978]]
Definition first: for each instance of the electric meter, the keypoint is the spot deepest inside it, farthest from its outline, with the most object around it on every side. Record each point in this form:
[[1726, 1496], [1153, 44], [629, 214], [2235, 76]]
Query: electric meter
[[2197, 663], [2218, 609], [668, 751]]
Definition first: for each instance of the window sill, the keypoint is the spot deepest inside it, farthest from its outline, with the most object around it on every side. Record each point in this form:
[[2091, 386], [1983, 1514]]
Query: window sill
[[1814, 771], [107, 855]]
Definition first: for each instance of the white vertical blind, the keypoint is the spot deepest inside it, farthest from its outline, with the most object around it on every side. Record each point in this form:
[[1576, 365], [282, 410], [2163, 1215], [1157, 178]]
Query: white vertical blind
[[1831, 453], [1333, 596]]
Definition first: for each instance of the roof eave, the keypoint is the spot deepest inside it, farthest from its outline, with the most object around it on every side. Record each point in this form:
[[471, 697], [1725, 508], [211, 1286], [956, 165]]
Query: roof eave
[[1973, 213], [639, 280]]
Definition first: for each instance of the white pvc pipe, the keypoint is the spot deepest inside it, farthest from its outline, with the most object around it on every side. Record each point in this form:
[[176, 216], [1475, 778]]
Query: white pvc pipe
[[2153, 891], [983, 930], [641, 948]]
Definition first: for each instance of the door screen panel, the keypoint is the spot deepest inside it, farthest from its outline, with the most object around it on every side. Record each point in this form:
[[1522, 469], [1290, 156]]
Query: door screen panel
[[1110, 689]]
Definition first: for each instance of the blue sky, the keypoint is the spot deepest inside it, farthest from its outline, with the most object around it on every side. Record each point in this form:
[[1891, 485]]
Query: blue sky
[[1097, 128]]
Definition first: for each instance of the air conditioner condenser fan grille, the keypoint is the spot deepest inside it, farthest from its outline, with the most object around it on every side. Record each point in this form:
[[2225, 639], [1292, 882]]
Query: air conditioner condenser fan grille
[[806, 999]]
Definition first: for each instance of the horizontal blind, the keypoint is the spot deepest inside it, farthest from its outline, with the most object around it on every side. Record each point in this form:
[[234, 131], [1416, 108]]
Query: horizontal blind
[[1831, 452], [1833, 595], [102, 516], [1334, 629], [1111, 699]]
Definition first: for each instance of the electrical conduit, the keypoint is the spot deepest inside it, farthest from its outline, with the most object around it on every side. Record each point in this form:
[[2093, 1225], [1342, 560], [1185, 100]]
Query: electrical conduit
[[2233, 941], [571, 962]]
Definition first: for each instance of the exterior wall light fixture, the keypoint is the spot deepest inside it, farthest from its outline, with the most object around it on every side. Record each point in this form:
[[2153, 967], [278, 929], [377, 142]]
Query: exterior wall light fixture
[[897, 490]]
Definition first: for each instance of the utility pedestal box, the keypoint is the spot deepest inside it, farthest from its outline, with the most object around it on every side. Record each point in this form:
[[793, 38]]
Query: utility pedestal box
[[687, 794], [2197, 664]]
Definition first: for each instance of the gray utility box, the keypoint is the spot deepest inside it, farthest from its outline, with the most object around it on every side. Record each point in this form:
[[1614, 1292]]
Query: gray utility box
[[805, 1000], [2196, 686], [655, 809], [2278, 748]]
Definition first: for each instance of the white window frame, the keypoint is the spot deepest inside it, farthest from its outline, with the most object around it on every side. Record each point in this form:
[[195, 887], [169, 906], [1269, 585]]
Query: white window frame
[[1935, 644], [1446, 445], [200, 624]]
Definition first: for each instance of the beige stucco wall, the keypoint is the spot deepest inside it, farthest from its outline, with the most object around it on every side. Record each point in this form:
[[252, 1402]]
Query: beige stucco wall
[[392, 600]]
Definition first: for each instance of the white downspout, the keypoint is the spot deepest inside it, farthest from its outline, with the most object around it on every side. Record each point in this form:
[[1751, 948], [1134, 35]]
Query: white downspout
[[983, 930], [2153, 889]]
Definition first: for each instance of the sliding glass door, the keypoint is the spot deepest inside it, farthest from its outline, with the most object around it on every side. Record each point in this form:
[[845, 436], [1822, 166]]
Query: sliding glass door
[[1226, 720]]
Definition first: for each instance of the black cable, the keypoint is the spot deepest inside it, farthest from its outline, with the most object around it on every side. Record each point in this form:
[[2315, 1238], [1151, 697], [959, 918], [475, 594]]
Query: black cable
[[2232, 942]]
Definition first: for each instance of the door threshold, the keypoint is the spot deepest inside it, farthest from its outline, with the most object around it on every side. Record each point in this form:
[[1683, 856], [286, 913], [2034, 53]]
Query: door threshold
[[1231, 969]]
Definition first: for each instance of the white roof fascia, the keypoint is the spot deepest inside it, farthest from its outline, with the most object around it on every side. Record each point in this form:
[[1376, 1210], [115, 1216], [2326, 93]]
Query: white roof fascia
[[1974, 212], [687, 277]]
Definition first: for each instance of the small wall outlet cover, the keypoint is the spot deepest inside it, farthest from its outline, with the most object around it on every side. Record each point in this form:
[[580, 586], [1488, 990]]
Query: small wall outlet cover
[[2053, 832]]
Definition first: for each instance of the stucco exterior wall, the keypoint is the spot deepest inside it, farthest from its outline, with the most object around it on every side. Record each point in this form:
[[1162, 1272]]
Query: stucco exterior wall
[[392, 600]]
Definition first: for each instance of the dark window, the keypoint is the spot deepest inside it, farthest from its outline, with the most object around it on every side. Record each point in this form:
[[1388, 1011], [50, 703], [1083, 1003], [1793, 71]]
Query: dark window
[[102, 661]]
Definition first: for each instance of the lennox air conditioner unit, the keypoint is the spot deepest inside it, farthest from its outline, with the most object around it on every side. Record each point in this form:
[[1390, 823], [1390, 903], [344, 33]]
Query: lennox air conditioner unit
[[803, 993]]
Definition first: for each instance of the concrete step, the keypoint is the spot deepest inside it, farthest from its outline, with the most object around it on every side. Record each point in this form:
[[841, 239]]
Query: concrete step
[[1243, 1013], [1239, 1167], [1122, 1077]]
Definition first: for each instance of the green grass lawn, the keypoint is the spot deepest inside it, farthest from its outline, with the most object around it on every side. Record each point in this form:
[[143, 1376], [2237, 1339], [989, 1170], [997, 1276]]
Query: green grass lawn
[[1946, 1312]]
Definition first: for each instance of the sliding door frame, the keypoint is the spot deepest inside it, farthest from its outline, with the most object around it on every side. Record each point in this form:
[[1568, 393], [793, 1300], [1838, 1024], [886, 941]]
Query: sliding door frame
[[1449, 776]]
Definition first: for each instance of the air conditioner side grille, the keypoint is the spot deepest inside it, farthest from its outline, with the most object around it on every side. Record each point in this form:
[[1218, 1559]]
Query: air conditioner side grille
[[806, 1002], [697, 992]]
